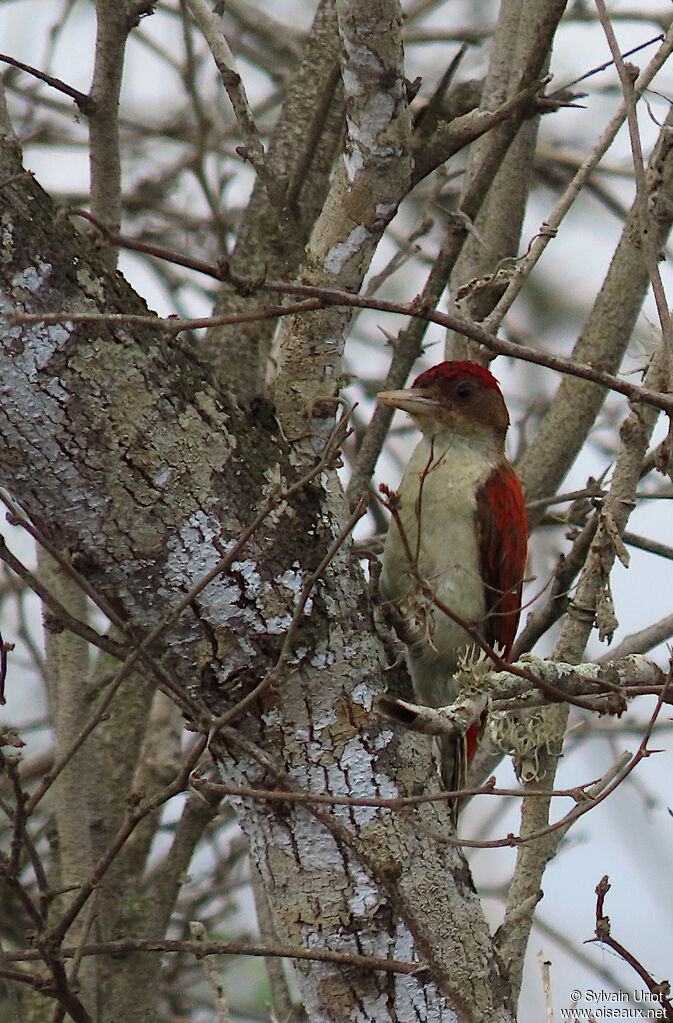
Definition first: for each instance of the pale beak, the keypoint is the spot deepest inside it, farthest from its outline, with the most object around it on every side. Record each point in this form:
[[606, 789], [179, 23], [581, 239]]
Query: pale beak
[[411, 400]]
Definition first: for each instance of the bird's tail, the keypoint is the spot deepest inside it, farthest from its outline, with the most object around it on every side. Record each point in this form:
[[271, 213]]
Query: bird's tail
[[455, 752]]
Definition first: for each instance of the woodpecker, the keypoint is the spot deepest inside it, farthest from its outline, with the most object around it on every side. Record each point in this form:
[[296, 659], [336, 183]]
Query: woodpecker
[[461, 538]]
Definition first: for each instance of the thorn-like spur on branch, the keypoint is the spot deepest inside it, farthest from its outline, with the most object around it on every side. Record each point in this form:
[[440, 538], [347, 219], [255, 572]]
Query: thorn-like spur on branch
[[660, 990]]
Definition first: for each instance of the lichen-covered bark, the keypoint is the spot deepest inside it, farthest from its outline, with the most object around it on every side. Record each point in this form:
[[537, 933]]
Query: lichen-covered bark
[[373, 177], [524, 31], [271, 238], [118, 446]]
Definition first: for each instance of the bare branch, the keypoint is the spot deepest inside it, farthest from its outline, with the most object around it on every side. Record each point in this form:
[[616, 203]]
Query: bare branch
[[252, 150], [660, 990], [82, 100], [201, 949]]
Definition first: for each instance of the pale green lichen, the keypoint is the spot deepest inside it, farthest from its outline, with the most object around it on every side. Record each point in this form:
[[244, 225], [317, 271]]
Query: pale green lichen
[[6, 238], [90, 285]]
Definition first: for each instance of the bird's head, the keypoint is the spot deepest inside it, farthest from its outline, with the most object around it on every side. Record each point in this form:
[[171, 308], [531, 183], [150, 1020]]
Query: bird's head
[[454, 397]]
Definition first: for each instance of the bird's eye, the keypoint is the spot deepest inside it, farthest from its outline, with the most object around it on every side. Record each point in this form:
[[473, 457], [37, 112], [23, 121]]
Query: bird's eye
[[464, 389]]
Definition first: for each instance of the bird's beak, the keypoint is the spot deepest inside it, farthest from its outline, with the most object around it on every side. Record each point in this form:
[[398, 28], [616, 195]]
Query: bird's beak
[[411, 399]]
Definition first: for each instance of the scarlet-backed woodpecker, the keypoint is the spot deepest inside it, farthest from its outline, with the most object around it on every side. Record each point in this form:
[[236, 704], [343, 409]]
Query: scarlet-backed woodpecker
[[460, 537]]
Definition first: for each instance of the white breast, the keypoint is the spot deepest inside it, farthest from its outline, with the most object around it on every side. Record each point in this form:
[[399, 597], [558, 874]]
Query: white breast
[[438, 492]]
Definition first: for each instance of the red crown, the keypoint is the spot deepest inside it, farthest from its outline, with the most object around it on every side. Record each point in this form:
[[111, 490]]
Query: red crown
[[445, 371]]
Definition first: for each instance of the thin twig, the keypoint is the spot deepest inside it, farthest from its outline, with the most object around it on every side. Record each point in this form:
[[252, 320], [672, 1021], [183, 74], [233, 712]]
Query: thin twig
[[549, 228], [628, 75], [612, 779], [83, 101], [82, 629], [660, 990], [578, 793], [252, 150], [210, 948], [329, 296]]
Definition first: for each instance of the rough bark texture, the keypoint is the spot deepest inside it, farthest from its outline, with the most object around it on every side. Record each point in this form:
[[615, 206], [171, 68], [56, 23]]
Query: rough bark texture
[[143, 466], [523, 33], [501, 216], [372, 179], [273, 234], [117, 445]]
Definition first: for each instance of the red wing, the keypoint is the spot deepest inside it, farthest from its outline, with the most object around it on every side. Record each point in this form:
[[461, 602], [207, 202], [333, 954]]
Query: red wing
[[502, 531]]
